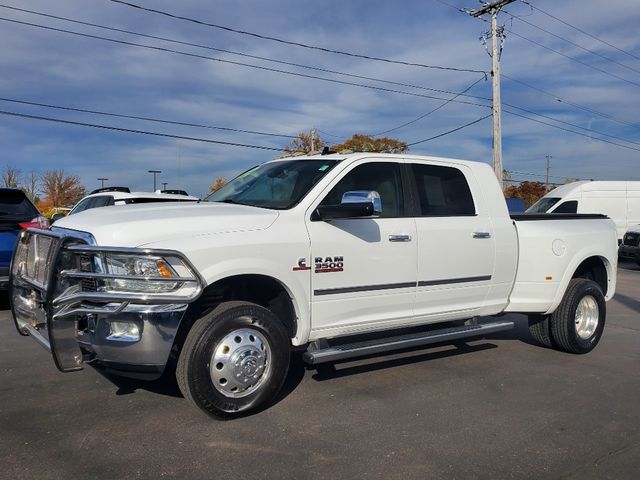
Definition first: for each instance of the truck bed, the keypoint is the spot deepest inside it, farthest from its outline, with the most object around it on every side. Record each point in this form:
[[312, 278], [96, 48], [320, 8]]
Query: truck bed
[[549, 252]]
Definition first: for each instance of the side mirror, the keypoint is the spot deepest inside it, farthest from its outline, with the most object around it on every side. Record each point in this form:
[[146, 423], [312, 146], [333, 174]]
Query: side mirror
[[57, 216], [355, 204], [358, 196]]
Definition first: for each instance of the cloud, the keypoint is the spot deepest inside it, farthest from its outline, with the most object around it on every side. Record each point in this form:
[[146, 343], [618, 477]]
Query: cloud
[[61, 69]]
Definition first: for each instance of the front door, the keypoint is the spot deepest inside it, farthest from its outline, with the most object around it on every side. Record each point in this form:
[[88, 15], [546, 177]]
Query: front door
[[363, 269]]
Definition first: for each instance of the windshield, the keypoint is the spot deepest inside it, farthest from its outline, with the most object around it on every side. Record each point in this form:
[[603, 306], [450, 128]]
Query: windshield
[[279, 185], [543, 205]]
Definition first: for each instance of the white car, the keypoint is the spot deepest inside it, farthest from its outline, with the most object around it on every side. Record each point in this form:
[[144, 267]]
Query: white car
[[335, 254], [107, 196]]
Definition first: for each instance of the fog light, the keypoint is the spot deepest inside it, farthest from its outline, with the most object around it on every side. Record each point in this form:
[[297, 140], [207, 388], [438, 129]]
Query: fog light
[[123, 332]]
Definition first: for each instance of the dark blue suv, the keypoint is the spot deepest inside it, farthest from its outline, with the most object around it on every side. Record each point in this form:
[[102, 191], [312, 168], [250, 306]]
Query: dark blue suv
[[17, 213]]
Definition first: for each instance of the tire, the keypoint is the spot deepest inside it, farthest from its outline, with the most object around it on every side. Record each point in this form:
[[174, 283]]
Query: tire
[[234, 360], [540, 330], [578, 322]]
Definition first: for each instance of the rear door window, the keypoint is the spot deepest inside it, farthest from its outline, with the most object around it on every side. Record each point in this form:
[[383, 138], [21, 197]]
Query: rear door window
[[442, 191]]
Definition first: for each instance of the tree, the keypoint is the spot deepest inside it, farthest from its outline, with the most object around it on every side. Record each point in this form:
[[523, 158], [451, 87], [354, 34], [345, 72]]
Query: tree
[[61, 190], [31, 185], [217, 184], [11, 177], [366, 143], [530, 192], [305, 143]]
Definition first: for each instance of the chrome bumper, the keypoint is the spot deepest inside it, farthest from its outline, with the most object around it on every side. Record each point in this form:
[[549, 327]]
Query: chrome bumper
[[50, 303]]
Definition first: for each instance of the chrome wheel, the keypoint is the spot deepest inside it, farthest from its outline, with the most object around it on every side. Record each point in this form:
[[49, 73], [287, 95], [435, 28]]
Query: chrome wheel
[[587, 317], [240, 363]]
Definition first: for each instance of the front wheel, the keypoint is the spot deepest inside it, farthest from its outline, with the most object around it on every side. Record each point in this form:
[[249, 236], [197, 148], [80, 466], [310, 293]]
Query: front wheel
[[234, 359], [578, 322]]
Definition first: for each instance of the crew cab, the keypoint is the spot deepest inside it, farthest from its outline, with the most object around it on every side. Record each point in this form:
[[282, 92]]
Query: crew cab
[[340, 256]]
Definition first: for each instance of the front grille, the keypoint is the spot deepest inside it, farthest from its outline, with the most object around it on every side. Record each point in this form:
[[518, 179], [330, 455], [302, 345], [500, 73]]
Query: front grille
[[33, 257], [86, 266], [632, 239], [89, 285]]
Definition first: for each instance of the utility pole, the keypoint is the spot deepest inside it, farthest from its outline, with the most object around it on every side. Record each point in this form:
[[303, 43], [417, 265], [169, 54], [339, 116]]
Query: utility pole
[[164, 185], [548, 157], [496, 47], [155, 172], [313, 139], [102, 180]]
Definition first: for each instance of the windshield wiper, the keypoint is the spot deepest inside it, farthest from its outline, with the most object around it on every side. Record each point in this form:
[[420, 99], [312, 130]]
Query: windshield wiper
[[233, 202]]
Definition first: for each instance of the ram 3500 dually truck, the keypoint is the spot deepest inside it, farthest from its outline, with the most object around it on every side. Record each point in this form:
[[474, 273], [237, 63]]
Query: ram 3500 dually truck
[[341, 255]]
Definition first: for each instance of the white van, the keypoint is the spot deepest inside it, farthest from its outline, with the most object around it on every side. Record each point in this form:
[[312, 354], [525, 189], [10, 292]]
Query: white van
[[620, 201]]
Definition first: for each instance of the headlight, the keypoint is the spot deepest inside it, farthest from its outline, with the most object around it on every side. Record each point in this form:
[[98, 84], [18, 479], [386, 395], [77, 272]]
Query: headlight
[[155, 274], [111, 270]]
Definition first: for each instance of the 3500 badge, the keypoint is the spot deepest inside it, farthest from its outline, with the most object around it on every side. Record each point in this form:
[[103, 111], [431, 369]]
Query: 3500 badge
[[329, 264]]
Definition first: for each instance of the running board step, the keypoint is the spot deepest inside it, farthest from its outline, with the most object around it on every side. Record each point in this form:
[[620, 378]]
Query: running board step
[[316, 355]]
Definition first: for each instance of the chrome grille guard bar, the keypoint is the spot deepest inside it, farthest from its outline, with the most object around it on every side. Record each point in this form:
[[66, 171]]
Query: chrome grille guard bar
[[58, 311]]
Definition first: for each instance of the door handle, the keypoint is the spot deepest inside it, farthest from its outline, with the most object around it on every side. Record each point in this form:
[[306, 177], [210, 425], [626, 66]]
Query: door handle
[[481, 235], [399, 238]]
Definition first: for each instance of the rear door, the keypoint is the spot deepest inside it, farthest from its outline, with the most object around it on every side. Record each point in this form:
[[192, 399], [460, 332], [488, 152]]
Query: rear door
[[363, 269], [456, 246]]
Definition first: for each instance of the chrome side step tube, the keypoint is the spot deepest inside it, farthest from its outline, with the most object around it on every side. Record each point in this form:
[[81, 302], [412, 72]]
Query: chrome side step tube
[[324, 354]]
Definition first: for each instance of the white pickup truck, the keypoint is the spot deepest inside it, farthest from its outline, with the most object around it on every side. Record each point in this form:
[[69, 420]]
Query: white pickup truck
[[341, 256]]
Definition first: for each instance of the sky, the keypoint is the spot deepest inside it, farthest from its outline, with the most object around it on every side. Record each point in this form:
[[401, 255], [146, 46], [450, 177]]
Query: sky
[[576, 83]]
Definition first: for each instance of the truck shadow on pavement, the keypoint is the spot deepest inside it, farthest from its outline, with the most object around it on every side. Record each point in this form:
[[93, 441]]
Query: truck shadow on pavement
[[329, 371], [520, 332], [4, 301], [628, 302], [167, 384]]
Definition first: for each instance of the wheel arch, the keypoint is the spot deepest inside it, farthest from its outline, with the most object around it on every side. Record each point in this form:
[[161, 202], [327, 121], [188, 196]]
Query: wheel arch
[[593, 267], [263, 290]]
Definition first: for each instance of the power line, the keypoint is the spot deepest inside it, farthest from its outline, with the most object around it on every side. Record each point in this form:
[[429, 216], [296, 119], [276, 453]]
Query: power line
[[536, 174], [575, 105], [147, 119], [580, 30], [449, 131], [139, 132], [571, 42], [556, 97], [442, 105], [167, 50], [230, 52], [329, 134], [232, 62], [593, 67], [461, 10], [289, 42], [569, 123], [572, 131]]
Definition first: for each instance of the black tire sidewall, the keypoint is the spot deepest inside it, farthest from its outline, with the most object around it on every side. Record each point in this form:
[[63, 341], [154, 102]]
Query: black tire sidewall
[[588, 288], [218, 325]]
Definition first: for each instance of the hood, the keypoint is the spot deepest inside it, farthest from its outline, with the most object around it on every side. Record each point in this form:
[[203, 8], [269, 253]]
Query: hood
[[137, 225]]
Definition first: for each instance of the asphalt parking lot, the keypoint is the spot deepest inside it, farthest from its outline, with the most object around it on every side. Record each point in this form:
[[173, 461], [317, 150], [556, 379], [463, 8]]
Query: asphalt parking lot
[[500, 408]]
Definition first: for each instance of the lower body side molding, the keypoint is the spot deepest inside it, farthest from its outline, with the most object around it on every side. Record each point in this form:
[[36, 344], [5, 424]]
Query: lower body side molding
[[322, 352]]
